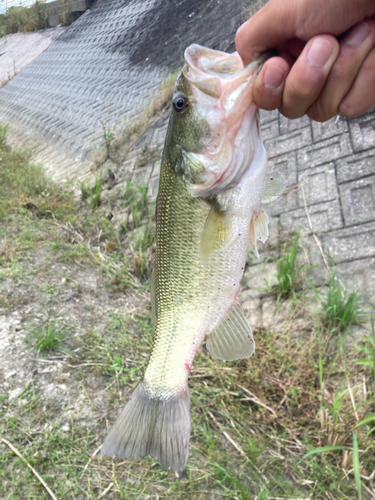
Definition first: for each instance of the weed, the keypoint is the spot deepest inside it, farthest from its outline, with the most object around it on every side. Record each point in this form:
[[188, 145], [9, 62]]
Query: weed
[[52, 331], [288, 273], [28, 187], [3, 133], [369, 349], [92, 195], [339, 310], [108, 136], [49, 336], [19, 18], [148, 155]]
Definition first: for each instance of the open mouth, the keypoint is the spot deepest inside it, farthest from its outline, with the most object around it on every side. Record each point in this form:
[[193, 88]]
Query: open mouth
[[222, 90]]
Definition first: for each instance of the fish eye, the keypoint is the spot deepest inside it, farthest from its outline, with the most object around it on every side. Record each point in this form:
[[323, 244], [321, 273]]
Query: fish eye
[[180, 103]]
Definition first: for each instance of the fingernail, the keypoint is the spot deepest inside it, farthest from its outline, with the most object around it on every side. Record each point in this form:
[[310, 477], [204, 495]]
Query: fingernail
[[273, 77], [358, 34], [319, 53]]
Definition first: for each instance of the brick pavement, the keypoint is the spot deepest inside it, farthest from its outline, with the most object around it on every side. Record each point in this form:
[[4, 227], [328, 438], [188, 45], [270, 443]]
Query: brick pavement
[[329, 169]]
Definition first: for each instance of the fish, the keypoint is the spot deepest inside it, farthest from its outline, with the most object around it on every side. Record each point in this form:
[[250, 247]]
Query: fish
[[208, 215]]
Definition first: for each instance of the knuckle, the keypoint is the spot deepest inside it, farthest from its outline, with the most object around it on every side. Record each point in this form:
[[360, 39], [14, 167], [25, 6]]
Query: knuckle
[[349, 108], [265, 98], [320, 112]]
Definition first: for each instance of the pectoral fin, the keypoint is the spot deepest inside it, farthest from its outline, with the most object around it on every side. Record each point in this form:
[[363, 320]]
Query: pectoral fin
[[258, 230], [216, 231], [232, 338], [261, 226], [272, 189]]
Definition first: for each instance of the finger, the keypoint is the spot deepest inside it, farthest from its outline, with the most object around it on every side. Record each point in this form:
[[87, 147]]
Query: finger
[[269, 85], [354, 49], [308, 75], [282, 20], [361, 96]]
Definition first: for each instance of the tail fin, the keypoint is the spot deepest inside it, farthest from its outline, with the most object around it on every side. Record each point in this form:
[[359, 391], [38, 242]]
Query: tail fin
[[152, 426]]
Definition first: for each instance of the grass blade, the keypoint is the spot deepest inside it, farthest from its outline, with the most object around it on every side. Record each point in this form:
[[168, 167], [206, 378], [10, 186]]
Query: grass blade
[[323, 449], [356, 466]]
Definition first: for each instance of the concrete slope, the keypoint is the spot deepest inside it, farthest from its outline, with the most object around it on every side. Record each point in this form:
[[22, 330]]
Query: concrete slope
[[105, 66], [18, 50]]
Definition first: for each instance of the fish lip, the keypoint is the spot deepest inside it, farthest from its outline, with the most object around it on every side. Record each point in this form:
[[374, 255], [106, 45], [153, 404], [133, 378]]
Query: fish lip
[[210, 70], [221, 88]]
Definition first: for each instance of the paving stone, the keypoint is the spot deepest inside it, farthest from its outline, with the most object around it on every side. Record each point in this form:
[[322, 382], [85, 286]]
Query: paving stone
[[284, 167], [254, 278], [350, 244], [362, 131], [323, 151], [142, 175], [337, 125], [318, 184], [288, 142], [153, 187], [358, 200], [355, 166], [359, 273], [313, 259], [287, 126], [270, 129], [324, 217], [266, 116]]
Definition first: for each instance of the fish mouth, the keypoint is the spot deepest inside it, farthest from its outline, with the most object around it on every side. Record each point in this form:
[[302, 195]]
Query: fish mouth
[[222, 90], [216, 73]]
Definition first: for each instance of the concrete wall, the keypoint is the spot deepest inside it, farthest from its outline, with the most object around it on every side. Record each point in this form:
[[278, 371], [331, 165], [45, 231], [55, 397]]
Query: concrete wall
[[61, 12]]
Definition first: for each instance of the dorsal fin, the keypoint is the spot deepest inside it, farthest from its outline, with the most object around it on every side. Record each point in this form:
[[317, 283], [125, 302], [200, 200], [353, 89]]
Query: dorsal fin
[[232, 338]]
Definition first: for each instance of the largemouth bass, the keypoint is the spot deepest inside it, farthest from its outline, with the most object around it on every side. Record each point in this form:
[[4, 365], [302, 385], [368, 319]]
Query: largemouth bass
[[208, 215]]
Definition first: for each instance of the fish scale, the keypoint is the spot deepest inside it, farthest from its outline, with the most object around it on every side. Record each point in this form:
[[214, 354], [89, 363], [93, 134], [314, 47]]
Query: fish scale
[[208, 215]]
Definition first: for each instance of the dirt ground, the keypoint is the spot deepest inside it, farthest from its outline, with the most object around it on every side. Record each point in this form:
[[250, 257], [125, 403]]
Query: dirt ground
[[75, 335]]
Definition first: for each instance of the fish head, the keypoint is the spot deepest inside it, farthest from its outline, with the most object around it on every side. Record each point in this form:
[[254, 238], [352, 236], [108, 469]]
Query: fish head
[[214, 122]]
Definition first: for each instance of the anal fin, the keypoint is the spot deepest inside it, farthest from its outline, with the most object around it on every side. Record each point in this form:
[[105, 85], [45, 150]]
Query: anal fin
[[232, 338]]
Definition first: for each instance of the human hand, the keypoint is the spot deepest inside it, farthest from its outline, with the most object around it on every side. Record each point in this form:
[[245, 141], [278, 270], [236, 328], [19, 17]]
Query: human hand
[[327, 56]]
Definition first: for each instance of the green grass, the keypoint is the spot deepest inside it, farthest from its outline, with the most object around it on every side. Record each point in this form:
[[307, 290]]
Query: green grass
[[282, 424], [28, 188], [92, 195], [21, 19], [288, 273], [49, 336], [339, 309]]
